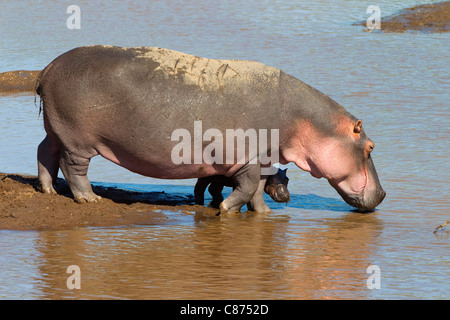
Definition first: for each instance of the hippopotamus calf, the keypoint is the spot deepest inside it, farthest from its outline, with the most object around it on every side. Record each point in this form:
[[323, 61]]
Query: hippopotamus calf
[[275, 187], [125, 104]]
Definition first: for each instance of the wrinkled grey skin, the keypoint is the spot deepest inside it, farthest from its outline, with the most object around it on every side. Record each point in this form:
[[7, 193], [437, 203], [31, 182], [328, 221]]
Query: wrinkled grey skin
[[275, 187], [125, 103]]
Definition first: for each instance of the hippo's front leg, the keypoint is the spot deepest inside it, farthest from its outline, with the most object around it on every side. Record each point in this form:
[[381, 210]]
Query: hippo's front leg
[[257, 202], [215, 189], [246, 181], [199, 190]]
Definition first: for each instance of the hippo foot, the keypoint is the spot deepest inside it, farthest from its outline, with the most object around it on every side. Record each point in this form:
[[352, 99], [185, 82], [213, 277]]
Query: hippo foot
[[215, 204], [224, 209], [259, 207], [87, 198], [47, 190]]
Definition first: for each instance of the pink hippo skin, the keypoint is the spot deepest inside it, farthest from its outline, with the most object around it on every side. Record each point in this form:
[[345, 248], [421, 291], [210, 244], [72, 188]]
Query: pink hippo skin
[[125, 103]]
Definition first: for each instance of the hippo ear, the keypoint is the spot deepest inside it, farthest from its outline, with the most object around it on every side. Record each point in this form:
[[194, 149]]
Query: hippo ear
[[358, 126]]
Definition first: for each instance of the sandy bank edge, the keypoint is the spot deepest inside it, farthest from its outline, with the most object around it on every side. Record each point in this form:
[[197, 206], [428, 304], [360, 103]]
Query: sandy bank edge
[[23, 207], [433, 17]]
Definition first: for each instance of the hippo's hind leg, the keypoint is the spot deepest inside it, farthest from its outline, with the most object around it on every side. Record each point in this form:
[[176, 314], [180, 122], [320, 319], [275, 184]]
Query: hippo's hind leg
[[246, 181], [74, 167], [48, 163]]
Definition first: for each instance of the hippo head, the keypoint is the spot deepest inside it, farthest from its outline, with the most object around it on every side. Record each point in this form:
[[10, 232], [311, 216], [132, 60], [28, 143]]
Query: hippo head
[[357, 182], [342, 155], [276, 186]]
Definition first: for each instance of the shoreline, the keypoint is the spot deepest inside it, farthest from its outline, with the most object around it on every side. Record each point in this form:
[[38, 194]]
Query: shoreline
[[18, 81], [427, 18], [23, 207]]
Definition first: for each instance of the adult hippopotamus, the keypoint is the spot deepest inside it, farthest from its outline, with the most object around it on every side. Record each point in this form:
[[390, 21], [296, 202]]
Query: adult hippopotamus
[[127, 103], [275, 187]]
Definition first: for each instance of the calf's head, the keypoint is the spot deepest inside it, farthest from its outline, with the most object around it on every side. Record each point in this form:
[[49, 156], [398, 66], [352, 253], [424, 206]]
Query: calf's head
[[276, 186]]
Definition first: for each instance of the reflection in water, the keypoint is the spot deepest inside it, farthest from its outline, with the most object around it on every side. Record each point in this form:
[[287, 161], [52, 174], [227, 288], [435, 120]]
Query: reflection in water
[[336, 257], [248, 256]]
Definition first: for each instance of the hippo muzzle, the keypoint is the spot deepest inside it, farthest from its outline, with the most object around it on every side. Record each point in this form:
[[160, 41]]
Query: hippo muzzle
[[364, 202], [369, 197]]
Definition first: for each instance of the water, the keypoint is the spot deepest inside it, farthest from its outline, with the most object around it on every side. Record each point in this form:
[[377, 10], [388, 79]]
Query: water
[[314, 248]]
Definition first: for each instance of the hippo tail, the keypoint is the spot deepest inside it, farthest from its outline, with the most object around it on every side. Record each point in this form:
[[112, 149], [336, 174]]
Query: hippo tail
[[38, 87]]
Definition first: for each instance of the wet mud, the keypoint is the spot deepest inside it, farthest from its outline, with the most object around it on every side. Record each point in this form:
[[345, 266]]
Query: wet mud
[[432, 17], [23, 207], [18, 81]]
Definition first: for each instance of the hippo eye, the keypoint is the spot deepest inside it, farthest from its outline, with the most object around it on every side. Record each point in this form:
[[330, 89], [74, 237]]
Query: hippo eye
[[368, 149], [370, 146]]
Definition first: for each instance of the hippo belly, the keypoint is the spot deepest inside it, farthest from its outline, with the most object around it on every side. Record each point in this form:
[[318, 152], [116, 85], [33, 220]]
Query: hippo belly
[[156, 165]]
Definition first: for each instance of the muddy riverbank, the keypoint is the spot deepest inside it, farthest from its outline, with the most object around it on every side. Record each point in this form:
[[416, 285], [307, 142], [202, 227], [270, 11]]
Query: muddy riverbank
[[23, 207], [18, 81], [432, 17]]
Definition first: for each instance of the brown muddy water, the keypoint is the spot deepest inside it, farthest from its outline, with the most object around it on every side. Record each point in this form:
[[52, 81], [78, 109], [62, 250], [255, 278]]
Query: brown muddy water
[[316, 246]]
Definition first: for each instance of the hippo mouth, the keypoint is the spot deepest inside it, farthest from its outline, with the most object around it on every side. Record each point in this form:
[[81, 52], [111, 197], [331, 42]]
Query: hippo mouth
[[278, 193], [368, 196], [363, 201], [364, 204]]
